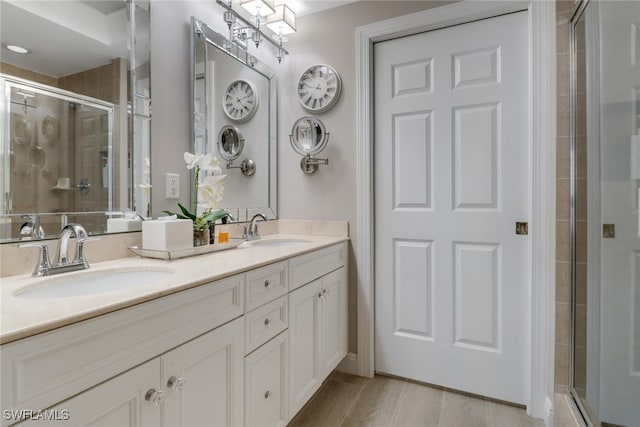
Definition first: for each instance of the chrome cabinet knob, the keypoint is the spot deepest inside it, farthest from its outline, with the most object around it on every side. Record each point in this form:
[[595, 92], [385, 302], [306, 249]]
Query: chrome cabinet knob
[[267, 284], [267, 395], [155, 397], [176, 384]]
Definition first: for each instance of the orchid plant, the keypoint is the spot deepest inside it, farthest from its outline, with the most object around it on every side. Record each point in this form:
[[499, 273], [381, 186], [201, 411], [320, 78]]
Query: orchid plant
[[207, 193]]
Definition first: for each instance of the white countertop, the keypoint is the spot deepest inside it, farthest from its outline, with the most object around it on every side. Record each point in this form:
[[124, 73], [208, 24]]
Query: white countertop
[[21, 318]]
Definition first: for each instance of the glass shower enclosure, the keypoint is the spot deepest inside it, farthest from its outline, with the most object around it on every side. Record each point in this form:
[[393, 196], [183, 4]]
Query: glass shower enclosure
[[59, 153], [605, 371]]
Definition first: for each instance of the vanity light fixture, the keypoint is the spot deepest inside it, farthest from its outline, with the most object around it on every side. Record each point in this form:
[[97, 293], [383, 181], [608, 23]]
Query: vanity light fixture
[[281, 20], [282, 23], [258, 8]]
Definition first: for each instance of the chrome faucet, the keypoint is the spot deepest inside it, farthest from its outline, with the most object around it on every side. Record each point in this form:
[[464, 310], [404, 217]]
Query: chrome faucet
[[80, 234], [227, 218], [62, 264], [31, 230], [252, 232]]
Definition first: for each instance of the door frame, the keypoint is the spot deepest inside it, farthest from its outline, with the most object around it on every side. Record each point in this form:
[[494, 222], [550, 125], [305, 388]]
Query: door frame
[[542, 133]]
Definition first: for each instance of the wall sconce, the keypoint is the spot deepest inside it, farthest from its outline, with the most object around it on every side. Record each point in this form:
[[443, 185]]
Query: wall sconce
[[282, 23], [308, 138]]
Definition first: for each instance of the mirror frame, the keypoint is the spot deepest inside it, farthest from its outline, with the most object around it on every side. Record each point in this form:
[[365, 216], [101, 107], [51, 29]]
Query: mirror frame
[[201, 35]]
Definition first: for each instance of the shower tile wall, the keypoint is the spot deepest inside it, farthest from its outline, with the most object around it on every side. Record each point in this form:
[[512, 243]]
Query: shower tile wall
[[563, 247]]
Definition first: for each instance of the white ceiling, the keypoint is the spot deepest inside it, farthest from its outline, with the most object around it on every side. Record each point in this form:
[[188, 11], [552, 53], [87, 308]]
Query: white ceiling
[[307, 7], [63, 39], [76, 35]]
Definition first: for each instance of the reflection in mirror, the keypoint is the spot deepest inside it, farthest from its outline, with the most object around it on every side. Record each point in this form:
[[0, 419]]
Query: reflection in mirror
[[233, 92], [230, 143], [605, 228], [69, 150]]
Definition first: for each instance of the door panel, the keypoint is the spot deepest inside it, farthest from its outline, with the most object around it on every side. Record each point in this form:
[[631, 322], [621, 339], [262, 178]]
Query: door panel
[[452, 177], [212, 367]]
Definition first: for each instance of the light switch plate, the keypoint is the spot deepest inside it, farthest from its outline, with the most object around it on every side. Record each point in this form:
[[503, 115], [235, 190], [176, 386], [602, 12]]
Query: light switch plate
[[172, 186]]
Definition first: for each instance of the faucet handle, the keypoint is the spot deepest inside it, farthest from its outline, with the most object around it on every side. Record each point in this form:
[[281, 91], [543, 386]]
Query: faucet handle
[[79, 258], [43, 263]]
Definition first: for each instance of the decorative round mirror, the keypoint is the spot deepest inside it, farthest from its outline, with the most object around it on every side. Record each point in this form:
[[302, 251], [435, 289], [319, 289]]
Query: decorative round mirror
[[308, 136], [230, 143]]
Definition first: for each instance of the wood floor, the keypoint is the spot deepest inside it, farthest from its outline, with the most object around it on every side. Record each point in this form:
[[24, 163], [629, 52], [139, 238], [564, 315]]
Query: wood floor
[[346, 400]]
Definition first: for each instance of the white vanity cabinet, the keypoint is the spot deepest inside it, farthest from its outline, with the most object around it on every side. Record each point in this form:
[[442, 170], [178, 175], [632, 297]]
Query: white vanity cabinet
[[317, 325], [117, 402], [266, 374], [203, 379], [43, 370], [248, 349], [266, 346], [196, 384]]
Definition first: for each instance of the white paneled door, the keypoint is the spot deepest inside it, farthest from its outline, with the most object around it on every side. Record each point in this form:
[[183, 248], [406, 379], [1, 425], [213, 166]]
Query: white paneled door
[[452, 179]]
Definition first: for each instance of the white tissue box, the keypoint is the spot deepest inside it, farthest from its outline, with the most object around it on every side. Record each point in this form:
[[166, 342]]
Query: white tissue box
[[118, 225], [169, 235]]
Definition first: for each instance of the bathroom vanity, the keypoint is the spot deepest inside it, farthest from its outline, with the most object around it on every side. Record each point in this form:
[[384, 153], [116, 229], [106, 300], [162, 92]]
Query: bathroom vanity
[[240, 337]]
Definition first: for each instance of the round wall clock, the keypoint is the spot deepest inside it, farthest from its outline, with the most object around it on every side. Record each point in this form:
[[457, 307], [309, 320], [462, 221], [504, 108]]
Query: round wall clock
[[319, 88], [240, 101]]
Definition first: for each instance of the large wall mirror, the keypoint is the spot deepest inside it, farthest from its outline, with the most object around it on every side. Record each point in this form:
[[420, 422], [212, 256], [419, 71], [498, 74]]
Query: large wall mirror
[[75, 114], [605, 152], [234, 98]]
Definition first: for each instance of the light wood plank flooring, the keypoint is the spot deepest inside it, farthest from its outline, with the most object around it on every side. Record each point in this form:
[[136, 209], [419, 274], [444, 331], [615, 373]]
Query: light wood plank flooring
[[346, 400]]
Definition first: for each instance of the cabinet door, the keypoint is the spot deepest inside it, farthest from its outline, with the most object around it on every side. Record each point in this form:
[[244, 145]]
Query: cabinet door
[[119, 401], [203, 379], [266, 384], [333, 322], [303, 345]]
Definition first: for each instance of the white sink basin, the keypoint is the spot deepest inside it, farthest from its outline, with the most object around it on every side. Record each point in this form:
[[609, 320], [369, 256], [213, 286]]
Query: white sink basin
[[92, 282], [274, 243]]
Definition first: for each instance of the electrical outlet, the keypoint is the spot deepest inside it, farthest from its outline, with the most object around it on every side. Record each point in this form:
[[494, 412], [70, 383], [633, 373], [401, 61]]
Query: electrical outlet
[[172, 186]]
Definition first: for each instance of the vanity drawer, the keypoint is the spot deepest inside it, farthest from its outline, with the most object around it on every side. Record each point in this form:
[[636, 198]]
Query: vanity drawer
[[265, 323], [309, 267], [45, 369], [266, 284]]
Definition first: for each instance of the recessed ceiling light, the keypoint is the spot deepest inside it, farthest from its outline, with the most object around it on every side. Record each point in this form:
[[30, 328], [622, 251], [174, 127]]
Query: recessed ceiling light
[[17, 49]]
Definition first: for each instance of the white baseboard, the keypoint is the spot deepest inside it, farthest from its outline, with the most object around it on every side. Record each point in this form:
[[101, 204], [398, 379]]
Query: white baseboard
[[548, 412], [349, 364]]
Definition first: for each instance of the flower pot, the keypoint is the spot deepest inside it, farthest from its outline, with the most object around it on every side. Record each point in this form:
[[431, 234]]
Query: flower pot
[[201, 238]]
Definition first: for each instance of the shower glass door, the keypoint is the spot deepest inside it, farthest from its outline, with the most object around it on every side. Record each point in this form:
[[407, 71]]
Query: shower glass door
[[605, 198], [60, 153]]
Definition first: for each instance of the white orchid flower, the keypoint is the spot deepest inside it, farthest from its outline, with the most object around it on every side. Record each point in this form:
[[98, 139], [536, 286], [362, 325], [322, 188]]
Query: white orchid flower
[[211, 191], [210, 163], [193, 160]]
